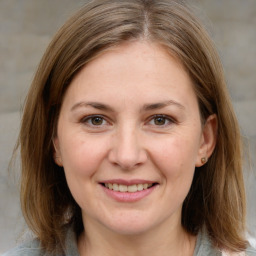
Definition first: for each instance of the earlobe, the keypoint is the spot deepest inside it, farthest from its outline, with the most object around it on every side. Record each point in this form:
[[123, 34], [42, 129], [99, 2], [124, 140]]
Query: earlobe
[[56, 154], [208, 140], [58, 161], [204, 160]]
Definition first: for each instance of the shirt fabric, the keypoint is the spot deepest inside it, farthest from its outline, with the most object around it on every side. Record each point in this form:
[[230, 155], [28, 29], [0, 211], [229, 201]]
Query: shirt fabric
[[203, 247]]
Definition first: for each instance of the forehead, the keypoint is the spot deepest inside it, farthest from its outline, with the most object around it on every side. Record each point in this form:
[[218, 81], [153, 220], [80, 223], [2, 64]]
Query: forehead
[[144, 55], [134, 70]]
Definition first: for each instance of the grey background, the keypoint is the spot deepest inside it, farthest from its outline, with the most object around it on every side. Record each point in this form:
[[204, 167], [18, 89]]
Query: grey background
[[26, 28]]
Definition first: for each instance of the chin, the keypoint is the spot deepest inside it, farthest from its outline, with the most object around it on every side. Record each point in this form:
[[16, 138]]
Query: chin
[[131, 225], [130, 230]]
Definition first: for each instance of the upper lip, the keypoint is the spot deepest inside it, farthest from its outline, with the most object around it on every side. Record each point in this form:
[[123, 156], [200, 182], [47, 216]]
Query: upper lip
[[128, 182]]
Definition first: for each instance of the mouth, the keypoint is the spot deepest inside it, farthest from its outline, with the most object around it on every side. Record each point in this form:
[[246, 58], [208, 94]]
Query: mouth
[[128, 188], [128, 191]]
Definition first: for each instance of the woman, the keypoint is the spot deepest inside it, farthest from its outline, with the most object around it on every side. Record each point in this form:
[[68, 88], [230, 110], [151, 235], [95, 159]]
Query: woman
[[129, 143]]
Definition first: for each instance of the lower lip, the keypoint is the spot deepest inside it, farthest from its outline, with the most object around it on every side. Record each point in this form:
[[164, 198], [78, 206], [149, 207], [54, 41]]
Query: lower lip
[[128, 196]]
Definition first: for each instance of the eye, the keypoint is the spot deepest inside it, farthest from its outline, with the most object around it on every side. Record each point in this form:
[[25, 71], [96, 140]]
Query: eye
[[161, 120], [94, 120], [97, 120]]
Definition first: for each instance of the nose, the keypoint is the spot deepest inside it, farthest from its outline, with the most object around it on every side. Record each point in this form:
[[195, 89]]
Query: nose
[[127, 151]]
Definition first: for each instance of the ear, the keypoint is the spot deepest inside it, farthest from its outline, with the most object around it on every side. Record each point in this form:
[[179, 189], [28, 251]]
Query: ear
[[56, 153], [208, 140]]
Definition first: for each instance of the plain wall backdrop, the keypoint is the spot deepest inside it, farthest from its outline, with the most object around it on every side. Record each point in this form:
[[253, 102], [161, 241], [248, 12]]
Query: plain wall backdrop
[[26, 28]]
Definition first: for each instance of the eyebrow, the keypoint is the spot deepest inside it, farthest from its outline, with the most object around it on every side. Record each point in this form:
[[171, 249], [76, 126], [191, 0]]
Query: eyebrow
[[95, 105], [146, 107], [160, 105]]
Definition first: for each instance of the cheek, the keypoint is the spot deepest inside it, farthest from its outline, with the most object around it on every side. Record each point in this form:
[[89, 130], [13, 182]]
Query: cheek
[[175, 157], [82, 159], [82, 155]]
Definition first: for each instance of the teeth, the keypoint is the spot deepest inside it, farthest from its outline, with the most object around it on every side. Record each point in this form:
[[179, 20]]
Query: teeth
[[115, 187], [140, 187], [132, 188], [124, 188]]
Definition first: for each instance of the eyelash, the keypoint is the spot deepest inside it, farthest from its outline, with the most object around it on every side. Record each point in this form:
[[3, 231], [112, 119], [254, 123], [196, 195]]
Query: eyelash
[[169, 119], [89, 119]]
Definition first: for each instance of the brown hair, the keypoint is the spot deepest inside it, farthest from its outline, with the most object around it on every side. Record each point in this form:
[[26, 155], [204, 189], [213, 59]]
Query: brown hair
[[216, 198]]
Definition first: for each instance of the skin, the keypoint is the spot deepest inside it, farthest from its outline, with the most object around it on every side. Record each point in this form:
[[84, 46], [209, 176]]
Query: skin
[[127, 141]]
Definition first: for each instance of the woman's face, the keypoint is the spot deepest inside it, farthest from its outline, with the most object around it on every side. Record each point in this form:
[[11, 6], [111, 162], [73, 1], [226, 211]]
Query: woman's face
[[129, 137]]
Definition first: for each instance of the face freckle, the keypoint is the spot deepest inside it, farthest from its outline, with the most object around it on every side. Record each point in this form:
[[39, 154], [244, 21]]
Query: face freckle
[[129, 86]]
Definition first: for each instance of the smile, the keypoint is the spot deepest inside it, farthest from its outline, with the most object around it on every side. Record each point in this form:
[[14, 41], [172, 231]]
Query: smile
[[127, 188]]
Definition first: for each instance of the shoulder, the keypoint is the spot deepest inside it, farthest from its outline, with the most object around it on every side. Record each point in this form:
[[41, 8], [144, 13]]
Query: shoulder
[[250, 251], [31, 248], [204, 247]]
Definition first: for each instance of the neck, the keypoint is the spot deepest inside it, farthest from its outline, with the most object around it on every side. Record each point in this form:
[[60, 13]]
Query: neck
[[98, 240]]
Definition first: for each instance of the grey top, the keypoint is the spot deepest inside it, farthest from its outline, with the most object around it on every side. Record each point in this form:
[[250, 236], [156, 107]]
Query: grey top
[[32, 248]]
